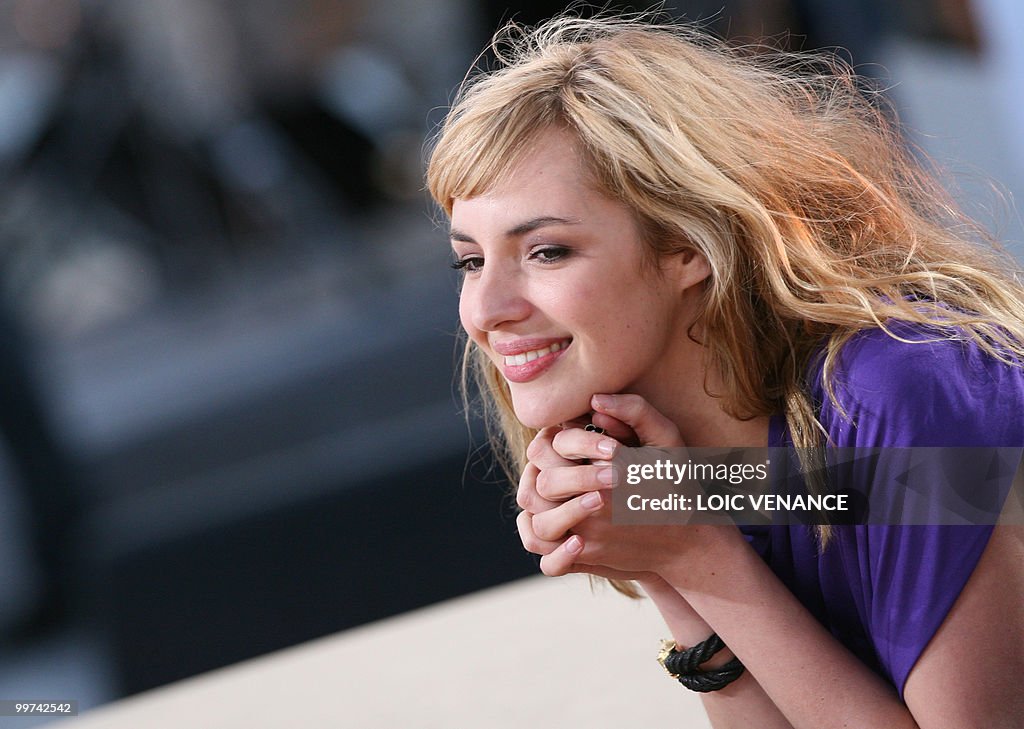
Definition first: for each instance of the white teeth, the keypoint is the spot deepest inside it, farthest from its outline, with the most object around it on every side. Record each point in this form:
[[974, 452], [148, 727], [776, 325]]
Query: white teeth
[[524, 357]]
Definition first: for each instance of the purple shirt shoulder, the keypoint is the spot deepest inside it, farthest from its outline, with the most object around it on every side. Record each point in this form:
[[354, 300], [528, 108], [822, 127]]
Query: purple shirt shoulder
[[884, 591]]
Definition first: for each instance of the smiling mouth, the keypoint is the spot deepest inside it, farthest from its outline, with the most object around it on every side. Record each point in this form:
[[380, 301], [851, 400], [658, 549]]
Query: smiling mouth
[[531, 364], [522, 358]]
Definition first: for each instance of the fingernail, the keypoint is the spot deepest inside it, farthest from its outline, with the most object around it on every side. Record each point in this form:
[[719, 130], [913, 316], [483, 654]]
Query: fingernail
[[607, 446], [574, 544], [591, 500], [606, 475], [603, 401]]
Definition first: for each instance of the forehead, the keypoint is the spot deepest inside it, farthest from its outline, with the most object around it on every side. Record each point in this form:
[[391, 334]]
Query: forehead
[[550, 178]]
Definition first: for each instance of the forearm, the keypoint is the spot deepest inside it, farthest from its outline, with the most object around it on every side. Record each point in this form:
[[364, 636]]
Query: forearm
[[742, 703], [813, 679]]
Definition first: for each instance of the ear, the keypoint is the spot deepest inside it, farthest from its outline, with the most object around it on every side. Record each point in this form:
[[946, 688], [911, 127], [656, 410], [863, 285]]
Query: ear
[[687, 268]]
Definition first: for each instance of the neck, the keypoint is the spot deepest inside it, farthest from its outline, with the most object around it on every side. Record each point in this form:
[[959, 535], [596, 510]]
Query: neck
[[701, 420], [704, 424]]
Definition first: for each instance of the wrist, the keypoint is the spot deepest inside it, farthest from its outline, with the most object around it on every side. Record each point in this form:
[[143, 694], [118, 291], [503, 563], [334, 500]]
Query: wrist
[[696, 667], [700, 569], [687, 626]]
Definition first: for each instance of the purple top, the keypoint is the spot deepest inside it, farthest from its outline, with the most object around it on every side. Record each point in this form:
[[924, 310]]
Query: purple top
[[883, 591]]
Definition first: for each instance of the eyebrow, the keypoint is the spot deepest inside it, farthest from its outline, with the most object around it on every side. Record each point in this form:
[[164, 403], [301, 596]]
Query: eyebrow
[[521, 229]]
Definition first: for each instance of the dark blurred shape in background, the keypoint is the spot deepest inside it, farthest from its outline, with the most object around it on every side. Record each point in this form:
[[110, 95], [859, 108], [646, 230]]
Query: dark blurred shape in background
[[227, 420]]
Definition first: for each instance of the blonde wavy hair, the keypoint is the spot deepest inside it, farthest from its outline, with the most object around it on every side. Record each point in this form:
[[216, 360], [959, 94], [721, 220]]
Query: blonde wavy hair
[[792, 181]]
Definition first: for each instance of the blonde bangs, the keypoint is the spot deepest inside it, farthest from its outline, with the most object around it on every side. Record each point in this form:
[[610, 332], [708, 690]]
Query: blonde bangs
[[488, 131]]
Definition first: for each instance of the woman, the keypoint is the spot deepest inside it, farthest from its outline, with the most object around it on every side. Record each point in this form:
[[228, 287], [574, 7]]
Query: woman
[[678, 244]]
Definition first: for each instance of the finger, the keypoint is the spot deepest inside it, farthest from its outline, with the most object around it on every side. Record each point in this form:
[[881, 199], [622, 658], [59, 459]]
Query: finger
[[577, 444], [581, 422], [615, 428], [611, 426], [560, 484], [541, 453], [560, 561], [531, 542], [651, 427], [554, 524], [527, 497]]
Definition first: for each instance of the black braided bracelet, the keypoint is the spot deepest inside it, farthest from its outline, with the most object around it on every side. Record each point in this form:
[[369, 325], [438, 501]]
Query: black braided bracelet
[[719, 678], [683, 665]]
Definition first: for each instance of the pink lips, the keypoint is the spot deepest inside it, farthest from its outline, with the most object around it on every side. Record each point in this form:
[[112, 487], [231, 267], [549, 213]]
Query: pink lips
[[533, 368]]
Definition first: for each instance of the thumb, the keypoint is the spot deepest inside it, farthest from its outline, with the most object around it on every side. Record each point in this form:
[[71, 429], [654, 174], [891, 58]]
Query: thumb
[[651, 427]]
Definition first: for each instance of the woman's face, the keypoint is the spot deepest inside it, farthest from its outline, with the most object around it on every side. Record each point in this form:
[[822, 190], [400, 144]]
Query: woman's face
[[556, 294]]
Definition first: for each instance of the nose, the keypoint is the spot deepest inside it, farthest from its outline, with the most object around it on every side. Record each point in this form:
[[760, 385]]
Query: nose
[[493, 300]]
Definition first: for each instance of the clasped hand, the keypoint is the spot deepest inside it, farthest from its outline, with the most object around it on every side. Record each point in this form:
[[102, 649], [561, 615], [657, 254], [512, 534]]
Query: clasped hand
[[565, 496]]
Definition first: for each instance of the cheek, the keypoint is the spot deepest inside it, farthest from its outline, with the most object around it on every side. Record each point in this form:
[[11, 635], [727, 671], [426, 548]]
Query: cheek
[[632, 329], [614, 316]]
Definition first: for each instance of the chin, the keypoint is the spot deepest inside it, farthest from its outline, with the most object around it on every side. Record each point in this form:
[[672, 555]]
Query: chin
[[544, 413]]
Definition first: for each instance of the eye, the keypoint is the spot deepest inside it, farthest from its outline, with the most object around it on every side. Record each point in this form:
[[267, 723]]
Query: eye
[[549, 254], [469, 264]]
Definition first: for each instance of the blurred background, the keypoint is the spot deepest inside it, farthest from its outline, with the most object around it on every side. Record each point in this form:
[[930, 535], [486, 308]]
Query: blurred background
[[228, 421]]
